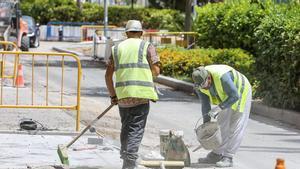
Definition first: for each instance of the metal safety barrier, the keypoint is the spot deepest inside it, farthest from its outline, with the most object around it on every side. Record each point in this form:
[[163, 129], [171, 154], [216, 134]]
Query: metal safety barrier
[[88, 32], [45, 59], [182, 39], [5, 45], [101, 49]]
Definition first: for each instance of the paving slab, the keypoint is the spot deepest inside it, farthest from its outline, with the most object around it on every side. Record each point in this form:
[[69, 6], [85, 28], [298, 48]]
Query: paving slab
[[21, 150]]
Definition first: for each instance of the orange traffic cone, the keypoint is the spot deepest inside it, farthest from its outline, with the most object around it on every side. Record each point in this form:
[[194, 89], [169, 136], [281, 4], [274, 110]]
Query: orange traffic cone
[[20, 79], [280, 164]]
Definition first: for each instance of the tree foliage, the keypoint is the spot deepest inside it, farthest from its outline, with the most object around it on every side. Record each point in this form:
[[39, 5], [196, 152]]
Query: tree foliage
[[271, 32], [66, 10]]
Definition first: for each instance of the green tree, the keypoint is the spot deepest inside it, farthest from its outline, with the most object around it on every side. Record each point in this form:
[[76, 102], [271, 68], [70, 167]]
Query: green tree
[[188, 17], [169, 4], [78, 3]]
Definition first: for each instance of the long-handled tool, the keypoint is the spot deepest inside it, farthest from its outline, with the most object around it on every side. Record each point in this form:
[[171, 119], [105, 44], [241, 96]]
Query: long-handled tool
[[62, 150]]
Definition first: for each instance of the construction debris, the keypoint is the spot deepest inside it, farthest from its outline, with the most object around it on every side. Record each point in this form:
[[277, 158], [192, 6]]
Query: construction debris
[[97, 141]]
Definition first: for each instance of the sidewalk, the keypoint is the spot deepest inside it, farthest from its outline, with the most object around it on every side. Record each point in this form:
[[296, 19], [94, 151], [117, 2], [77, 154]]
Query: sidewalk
[[22, 150], [38, 149]]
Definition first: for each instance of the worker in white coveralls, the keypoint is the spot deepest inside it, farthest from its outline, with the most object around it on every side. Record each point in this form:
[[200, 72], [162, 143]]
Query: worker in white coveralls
[[230, 91], [135, 64]]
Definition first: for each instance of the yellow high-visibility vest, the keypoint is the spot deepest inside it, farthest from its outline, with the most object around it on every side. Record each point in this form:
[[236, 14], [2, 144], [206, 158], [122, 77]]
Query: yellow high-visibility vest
[[240, 81], [133, 73]]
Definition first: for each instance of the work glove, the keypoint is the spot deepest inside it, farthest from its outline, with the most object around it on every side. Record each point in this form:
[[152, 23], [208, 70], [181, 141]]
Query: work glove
[[114, 100], [214, 112]]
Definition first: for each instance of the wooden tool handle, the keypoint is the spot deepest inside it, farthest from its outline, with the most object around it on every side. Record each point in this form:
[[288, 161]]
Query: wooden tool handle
[[89, 125]]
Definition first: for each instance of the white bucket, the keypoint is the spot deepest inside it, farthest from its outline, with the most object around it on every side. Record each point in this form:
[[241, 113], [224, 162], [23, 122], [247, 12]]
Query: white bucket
[[209, 135]]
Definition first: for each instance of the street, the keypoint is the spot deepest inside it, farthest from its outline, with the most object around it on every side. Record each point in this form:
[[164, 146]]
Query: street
[[264, 141]]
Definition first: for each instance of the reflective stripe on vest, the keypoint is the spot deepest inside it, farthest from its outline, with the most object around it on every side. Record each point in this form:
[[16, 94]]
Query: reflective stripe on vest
[[133, 73], [139, 64], [136, 83], [240, 81]]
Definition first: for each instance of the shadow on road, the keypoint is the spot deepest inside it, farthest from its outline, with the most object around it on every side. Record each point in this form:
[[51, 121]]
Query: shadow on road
[[278, 134], [198, 165], [276, 123], [58, 63], [168, 94], [270, 149]]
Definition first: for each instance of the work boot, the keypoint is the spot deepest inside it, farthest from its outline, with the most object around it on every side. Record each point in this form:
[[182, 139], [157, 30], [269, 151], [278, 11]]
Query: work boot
[[129, 164], [225, 162], [210, 158]]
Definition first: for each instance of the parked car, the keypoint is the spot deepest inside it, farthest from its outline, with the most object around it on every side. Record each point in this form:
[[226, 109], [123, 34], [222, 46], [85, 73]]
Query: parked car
[[33, 31]]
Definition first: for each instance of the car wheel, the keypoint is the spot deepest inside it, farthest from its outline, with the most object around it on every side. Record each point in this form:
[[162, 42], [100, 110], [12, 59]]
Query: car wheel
[[11, 39], [25, 42]]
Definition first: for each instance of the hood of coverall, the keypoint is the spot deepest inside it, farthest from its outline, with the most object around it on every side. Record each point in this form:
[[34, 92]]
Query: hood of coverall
[[199, 75]]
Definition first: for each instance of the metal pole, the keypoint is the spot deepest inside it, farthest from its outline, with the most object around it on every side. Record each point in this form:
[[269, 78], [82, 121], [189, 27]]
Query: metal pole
[[105, 18], [18, 22]]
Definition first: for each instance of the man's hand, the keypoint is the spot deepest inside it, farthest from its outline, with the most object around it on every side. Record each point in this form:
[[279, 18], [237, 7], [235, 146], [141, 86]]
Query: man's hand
[[114, 100], [214, 112]]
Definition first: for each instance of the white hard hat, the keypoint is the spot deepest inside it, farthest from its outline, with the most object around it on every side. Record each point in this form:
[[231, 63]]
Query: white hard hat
[[133, 25]]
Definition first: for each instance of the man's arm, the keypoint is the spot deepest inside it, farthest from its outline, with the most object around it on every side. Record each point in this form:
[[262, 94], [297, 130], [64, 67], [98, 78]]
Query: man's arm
[[109, 78], [155, 69], [230, 90], [153, 60], [205, 105]]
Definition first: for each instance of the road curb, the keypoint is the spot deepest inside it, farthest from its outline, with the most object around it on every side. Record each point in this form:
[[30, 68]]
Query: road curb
[[175, 83], [67, 51], [283, 115]]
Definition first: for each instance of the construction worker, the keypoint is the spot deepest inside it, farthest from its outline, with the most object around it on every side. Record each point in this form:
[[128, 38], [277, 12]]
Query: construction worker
[[98, 36], [60, 33], [231, 92], [135, 63]]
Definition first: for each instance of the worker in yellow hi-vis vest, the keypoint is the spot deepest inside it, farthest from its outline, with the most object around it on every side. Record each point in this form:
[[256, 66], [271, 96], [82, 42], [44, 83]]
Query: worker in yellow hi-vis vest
[[135, 64], [230, 91]]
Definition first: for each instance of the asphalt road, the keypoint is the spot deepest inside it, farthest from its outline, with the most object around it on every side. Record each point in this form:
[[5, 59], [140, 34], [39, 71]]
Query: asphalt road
[[264, 141]]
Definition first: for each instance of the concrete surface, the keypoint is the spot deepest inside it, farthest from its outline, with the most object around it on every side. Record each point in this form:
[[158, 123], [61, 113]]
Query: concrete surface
[[24, 150], [265, 139]]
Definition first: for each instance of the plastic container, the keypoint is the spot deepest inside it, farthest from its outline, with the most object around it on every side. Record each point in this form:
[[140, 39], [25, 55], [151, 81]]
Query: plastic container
[[279, 164], [209, 135]]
